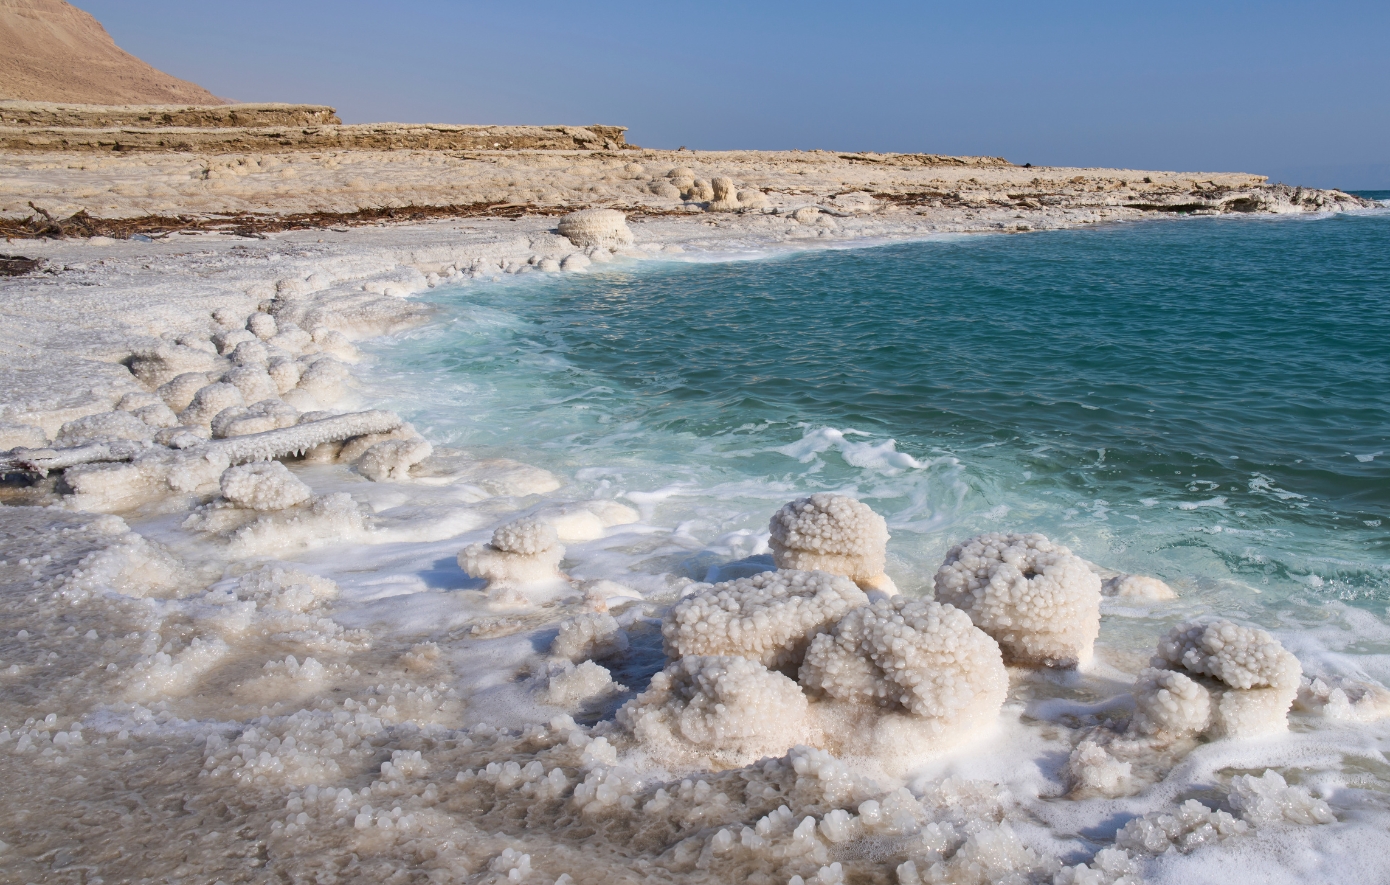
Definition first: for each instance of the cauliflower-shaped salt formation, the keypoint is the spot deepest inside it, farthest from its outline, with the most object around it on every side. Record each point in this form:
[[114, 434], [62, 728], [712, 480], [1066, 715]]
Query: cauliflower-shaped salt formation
[[179, 392], [590, 636], [1038, 600], [264, 485], [834, 534], [1270, 799], [725, 198], [1252, 678], [728, 709], [910, 655], [770, 617], [606, 228], [1170, 704], [270, 414], [522, 552]]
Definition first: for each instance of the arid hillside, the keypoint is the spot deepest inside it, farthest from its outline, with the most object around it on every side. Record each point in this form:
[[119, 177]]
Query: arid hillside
[[53, 51]]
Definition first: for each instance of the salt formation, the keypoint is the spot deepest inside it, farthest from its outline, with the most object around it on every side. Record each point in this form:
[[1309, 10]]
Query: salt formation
[[835, 534], [265, 485], [391, 460], [523, 552], [770, 618], [1251, 679], [590, 636], [908, 667], [728, 709], [602, 228], [1138, 588], [1170, 704], [725, 199], [1038, 600]]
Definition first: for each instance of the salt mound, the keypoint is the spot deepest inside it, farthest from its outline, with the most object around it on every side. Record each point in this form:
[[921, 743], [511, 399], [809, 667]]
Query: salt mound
[[1038, 600], [1252, 680], [606, 228], [769, 618], [1170, 704], [917, 656], [526, 551], [266, 485], [590, 636], [835, 534], [1138, 587], [391, 460], [727, 709]]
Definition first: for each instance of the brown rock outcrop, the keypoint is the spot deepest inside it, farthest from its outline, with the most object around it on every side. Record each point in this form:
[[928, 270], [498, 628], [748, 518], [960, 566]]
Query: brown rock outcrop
[[52, 51]]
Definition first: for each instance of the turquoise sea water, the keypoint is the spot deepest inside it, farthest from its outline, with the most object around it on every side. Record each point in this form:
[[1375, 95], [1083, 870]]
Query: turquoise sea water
[[1206, 400]]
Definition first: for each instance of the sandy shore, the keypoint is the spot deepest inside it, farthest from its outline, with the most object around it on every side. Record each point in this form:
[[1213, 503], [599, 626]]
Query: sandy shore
[[195, 709]]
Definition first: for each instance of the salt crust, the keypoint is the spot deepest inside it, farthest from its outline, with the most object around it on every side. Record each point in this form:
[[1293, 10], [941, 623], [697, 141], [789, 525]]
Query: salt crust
[[835, 534], [1038, 600], [770, 618]]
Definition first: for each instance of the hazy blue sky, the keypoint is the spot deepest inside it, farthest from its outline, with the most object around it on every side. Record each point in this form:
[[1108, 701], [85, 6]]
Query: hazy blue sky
[[1297, 91]]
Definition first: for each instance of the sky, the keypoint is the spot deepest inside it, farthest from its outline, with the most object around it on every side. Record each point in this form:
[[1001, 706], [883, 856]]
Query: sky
[[1296, 91]]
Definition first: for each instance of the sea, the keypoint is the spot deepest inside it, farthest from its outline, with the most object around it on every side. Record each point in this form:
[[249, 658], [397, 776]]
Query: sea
[[1205, 400]]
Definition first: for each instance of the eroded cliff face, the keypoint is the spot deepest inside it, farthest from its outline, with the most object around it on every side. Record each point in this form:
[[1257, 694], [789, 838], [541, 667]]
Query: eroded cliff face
[[53, 51]]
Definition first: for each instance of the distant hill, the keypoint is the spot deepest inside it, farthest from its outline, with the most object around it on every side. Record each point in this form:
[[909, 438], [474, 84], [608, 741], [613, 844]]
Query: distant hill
[[53, 51]]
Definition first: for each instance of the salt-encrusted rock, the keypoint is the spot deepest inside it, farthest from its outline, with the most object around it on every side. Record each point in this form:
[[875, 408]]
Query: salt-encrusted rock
[[26, 435], [264, 485], [1137, 587], [208, 402], [1252, 679], [285, 373], [1038, 600], [596, 227], [752, 199], [835, 534], [590, 636], [254, 383], [664, 189], [701, 190], [921, 657], [390, 461], [251, 353], [725, 199], [1091, 770], [290, 339], [177, 393], [522, 552], [157, 416], [577, 261], [160, 365], [262, 325], [268, 414], [807, 215], [727, 709], [1269, 799], [102, 426], [137, 399], [770, 618], [1170, 704], [228, 340], [572, 687], [323, 380]]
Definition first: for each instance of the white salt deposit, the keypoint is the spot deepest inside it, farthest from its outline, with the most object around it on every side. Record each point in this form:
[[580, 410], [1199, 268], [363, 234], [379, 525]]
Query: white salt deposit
[[1038, 600], [835, 534]]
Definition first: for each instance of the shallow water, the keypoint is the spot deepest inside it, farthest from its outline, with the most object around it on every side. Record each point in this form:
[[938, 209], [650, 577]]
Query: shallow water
[[1203, 399]]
